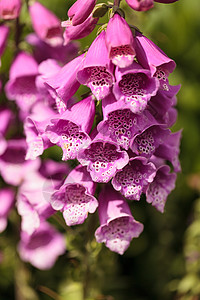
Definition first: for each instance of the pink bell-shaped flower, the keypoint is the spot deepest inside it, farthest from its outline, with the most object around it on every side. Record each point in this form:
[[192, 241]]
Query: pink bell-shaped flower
[[45, 23], [119, 41], [9, 9], [117, 225]]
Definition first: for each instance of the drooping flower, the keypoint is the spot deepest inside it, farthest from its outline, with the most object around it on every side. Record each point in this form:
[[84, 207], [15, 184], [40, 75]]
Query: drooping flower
[[120, 123], [79, 31], [43, 51], [97, 70], [158, 191], [103, 158], [21, 85], [80, 11], [162, 108], [140, 5], [13, 166], [75, 197], [7, 199], [133, 179], [35, 192], [46, 24], [64, 83], [117, 225], [151, 57], [34, 129], [9, 9], [43, 247], [119, 41], [170, 150], [70, 129], [145, 143], [135, 86]]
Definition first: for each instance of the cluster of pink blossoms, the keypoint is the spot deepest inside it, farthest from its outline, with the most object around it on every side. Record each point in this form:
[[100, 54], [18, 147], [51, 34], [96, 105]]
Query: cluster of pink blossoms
[[122, 141]]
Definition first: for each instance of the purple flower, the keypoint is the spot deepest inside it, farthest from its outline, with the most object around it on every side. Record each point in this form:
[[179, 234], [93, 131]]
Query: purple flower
[[13, 167], [75, 197], [151, 56], [170, 150], [97, 70], [4, 31], [10, 9], [167, 89], [119, 41], [21, 85], [42, 248], [46, 24], [158, 191], [7, 199], [64, 83], [80, 10], [34, 128], [70, 131], [103, 158], [135, 86], [117, 225], [161, 107], [31, 205], [43, 51], [120, 123], [79, 31], [140, 5], [133, 179], [145, 143]]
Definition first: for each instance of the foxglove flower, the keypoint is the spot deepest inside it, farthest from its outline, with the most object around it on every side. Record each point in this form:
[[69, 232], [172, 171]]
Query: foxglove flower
[[80, 10], [35, 192], [117, 225], [70, 131], [43, 51], [133, 179], [97, 70], [135, 86], [150, 56], [170, 150], [7, 198], [9, 9], [120, 123], [161, 106], [78, 31], [103, 158], [45, 240], [165, 88], [145, 143], [75, 197], [21, 85], [4, 31], [162, 185], [13, 167], [46, 24], [140, 5], [64, 83], [119, 41], [34, 128]]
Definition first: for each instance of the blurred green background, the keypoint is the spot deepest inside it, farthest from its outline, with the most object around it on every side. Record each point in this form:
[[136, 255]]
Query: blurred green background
[[164, 262]]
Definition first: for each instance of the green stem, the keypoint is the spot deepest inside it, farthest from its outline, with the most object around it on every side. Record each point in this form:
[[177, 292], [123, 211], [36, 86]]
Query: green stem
[[117, 3]]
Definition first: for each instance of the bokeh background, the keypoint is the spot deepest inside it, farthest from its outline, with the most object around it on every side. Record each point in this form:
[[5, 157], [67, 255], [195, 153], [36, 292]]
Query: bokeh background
[[164, 262]]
